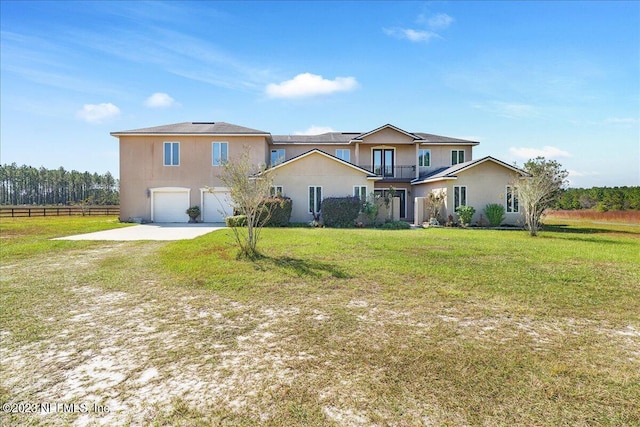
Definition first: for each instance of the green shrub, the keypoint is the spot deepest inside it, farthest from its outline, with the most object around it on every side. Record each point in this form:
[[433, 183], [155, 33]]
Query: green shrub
[[396, 225], [280, 211], [494, 213], [340, 211], [236, 221], [465, 213]]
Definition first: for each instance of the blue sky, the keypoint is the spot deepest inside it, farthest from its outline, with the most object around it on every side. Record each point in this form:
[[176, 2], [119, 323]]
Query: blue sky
[[559, 79]]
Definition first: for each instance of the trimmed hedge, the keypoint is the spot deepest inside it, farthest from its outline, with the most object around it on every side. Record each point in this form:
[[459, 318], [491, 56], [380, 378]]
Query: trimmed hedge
[[396, 225], [280, 211], [340, 211], [236, 221]]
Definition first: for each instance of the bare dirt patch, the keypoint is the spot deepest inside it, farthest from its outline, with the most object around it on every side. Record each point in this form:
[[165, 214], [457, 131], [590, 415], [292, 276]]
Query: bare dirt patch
[[110, 334]]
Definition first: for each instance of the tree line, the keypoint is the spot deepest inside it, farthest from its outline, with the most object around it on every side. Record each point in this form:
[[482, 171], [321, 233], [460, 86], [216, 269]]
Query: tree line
[[27, 185], [600, 198]]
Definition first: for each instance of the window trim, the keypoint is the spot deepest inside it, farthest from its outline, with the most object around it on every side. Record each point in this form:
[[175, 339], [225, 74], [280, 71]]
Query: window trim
[[426, 150], [457, 157], [221, 161], [273, 191], [357, 192], [283, 157], [344, 150], [317, 203], [171, 153], [513, 205], [457, 189]]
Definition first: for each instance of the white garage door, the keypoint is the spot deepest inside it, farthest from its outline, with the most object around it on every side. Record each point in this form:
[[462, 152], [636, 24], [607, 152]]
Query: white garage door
[[217, 206], [170, 205]]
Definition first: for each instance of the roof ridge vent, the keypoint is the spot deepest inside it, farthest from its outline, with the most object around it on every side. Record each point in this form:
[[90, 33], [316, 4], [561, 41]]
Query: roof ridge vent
[[203, 123]]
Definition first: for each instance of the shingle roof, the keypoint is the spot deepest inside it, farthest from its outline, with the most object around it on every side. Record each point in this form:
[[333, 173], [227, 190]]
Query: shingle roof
[[325, 138], [188, 128], [427, 137], [346, 137]]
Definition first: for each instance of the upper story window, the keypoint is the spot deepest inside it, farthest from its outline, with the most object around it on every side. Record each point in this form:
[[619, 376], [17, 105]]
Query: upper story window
[[277, 156], [457, 156], [220, 153], [171, 153], [344, 154], [383, 161], [276, 191], [424, 157]]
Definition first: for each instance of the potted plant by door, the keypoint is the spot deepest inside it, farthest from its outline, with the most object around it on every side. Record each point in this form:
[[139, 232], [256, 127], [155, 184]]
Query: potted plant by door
[[194, 213]]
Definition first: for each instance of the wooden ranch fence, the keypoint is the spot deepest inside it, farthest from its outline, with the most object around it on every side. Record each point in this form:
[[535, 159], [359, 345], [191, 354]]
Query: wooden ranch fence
[[33, 211]]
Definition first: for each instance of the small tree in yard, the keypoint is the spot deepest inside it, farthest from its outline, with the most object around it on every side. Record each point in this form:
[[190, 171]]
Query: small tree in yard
[[539, 191], [250, 186]]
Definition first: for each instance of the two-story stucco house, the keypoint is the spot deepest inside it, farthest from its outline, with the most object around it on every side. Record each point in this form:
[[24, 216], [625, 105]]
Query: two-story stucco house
[[166, 169]]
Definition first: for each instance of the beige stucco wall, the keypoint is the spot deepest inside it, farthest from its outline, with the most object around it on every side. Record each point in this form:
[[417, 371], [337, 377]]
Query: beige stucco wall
[[335, 178], [486, 183], [142, 167], [441, 156]]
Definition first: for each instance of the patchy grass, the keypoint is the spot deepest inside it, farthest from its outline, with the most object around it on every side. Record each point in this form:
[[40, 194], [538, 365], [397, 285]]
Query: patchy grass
[[330, 327]]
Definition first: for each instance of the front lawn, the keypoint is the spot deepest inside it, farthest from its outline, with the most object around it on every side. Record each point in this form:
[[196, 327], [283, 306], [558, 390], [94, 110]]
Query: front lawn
[[330, 327]]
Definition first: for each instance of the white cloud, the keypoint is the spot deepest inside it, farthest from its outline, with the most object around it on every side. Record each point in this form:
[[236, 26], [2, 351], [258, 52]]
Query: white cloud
[[308, 84], [97, 113], [410, 34], [546, 151], [159, 100], [440, 21], [315, 130]]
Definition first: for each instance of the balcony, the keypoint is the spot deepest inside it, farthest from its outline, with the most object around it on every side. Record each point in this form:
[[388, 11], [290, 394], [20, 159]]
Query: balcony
[[403, 173]]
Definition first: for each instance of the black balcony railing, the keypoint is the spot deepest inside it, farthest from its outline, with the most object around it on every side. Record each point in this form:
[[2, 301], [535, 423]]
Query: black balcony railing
[[393, 172]]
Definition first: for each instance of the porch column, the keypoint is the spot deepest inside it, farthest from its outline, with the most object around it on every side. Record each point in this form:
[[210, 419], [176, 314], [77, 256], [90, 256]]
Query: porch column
[[357, 153], [417, 160]]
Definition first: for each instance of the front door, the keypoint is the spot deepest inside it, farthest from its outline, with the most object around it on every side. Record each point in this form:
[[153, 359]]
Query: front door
[[401, 193]]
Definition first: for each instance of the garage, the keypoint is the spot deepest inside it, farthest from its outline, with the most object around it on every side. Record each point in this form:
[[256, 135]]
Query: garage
[[169, 204], [216, 204]]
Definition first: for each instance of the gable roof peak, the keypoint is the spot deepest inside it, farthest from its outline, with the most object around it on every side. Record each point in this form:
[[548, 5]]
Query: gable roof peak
[[387, 126]]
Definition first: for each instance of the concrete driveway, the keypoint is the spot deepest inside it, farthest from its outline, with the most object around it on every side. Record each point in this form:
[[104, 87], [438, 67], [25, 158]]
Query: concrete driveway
[[150, 232]]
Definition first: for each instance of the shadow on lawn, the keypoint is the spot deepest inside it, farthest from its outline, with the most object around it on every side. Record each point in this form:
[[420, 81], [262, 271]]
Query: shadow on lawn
[[566, 228], [300, 267]]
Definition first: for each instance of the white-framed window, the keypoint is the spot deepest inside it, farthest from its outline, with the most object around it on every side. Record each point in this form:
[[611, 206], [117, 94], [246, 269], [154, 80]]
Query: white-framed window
[[344, 154], [277, 156], [459, 196], [172, 153], [315, 198], [220, 153], [511, 199], [360, 191], [277, 191], [424, 157], [457, 156]]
